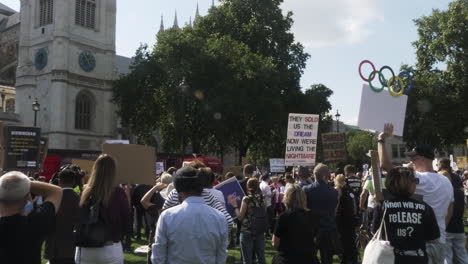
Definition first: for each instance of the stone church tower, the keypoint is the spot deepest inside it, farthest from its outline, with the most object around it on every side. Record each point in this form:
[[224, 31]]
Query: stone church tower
[[66, 60]]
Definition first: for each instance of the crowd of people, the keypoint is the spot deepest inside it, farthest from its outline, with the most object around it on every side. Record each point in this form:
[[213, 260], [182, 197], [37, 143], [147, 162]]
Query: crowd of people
[[310, 214]]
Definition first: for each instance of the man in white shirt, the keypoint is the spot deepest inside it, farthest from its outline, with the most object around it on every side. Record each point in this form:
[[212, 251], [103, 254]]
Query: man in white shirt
[[191, 232], [436, 189], [267, 195]]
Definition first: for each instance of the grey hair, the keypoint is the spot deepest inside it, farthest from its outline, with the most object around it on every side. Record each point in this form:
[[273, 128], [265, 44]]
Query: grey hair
[[166, 178], [321, 172], [14, 186]]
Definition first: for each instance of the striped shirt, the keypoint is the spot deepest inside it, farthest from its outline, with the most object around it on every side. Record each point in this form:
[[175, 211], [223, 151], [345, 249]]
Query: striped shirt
[[210, 200]]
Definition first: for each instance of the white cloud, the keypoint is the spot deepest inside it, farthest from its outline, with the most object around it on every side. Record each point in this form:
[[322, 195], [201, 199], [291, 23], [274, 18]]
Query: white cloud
[[326, 22]]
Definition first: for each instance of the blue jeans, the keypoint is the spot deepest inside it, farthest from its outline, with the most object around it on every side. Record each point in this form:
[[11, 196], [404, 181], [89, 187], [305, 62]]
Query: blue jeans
[[455, 248], [250, 244]]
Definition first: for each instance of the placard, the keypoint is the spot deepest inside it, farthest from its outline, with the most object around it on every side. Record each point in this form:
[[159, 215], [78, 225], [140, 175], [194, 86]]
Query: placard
[[136, 164], [378, 109], [159, 167], [22, 148], [277, 165], [117, 141], [301, 144], [231, 187], [334, 146]]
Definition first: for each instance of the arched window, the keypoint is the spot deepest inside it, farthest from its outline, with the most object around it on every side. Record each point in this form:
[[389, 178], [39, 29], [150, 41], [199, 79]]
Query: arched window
[[85, 13], [84, 111], [10, 105]]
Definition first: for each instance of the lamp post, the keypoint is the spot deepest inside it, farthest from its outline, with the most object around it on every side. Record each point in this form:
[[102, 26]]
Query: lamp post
[[337, 121], [36, 107]]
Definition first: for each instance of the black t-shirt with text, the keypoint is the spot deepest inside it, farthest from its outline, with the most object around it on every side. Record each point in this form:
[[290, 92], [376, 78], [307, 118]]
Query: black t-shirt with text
[[22, 236], [355, 184], [409, 224], [296, 230]]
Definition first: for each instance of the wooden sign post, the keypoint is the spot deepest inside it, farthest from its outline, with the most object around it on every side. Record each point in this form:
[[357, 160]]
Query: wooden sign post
[[376, 177]]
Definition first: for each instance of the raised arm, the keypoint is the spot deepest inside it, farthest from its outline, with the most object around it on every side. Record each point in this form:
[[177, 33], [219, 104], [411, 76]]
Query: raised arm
[[385, 162], [51, 193], [146, 200]]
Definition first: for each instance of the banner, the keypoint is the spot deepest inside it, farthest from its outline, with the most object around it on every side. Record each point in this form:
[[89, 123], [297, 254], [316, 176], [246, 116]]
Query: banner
[[277, 165], [231, 187], [301, 144], [22, 148], [334, 147]]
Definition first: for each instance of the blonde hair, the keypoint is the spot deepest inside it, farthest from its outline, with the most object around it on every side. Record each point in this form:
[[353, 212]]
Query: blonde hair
[[340, 180], [295, 198], [102, 182]]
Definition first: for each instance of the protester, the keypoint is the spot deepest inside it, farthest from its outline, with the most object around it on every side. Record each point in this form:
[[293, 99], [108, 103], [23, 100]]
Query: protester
[[210, 180], [322, 199], [103, 192], [191, 232], [277, 186], [153, 202], [368, 194], [60, 245], [346, 220], [408, 223], [252, 216], [303, 177], [22, 234], [289, 181], [353, 181], [297, 229], [435, 189], [268, 195], [248, 172], [455, 232]]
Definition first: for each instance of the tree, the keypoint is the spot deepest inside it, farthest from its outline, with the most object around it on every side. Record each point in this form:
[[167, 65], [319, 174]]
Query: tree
[[358, 144], [437, 106]]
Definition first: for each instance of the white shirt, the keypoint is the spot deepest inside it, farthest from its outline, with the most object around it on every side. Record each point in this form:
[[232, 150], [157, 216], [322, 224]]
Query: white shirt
[[437, 191], [266, 191], [218, 195], [191, 232]]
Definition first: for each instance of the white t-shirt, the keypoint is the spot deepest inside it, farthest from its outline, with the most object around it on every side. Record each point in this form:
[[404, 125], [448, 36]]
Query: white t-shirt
[[437, 191], [217, 194], [266, 191]]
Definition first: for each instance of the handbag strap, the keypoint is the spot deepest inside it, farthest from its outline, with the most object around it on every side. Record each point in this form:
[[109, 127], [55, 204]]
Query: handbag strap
[[377, 234]]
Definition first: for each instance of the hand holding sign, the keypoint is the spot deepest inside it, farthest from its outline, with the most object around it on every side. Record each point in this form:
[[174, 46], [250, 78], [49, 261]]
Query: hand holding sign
[[232, 200]]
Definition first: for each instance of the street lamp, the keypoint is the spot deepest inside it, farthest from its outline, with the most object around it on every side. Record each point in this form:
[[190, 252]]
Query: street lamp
[[337, 121], [36, 108]]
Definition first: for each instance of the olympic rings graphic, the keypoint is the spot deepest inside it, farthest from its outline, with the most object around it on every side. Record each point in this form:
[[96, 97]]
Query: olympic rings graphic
[[395, 80]]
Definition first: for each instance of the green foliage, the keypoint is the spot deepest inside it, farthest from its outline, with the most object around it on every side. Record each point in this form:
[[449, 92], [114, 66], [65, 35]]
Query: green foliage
[[437, 110], [358, 144]]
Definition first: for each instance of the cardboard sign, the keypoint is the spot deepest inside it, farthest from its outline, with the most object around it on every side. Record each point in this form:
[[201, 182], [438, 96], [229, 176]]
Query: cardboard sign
[[231, 188], [22, 148], [380, 108], [236, 170], [277, 165], [301, 144], [462, 162], [136, 164], [334, 146]]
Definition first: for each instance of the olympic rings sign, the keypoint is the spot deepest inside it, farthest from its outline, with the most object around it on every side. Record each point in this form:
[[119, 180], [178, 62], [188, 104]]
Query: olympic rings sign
[[390, 83]]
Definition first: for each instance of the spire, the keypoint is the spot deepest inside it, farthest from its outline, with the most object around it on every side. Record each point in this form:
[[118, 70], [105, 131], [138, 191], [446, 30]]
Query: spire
[[190, 22], [161, 27], [212, 3], [176, 23], [197, 15]]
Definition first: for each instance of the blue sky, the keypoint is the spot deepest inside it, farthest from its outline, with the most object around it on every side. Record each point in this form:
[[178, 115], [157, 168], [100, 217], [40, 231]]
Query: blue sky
[[338, 34]]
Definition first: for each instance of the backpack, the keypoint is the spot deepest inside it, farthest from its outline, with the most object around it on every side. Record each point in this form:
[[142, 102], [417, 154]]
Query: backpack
[[93, 230], [259, 222]]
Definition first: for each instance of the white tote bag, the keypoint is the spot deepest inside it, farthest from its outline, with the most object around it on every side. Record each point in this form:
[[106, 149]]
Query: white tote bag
[[379, 251]]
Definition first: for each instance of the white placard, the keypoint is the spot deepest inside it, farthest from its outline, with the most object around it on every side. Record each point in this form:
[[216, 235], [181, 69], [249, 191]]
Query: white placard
[[380, 108], [159, 167], [301, 144], [277, 165]]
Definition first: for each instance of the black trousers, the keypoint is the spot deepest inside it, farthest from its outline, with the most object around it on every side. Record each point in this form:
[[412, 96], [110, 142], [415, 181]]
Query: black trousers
[[62, 261], [326, 245], [348, 242]]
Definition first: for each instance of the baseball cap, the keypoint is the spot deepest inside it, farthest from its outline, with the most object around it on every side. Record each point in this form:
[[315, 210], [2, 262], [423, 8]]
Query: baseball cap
[[422, 150]]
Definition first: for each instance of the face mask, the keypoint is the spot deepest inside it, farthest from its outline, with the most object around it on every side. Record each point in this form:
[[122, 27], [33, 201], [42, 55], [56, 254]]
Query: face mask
[[27, 208]]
